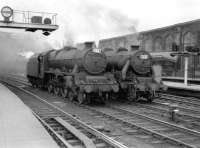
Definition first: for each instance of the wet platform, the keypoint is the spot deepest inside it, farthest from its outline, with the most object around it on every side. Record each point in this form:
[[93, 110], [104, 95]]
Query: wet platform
[[19, 127], [179, 85], [181, 80]]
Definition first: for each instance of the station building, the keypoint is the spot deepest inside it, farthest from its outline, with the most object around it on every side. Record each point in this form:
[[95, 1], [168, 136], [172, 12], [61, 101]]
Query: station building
[[127, 41], [160, 40]]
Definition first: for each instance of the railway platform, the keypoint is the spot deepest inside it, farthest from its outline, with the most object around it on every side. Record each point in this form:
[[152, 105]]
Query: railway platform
[[19, 127], [195, 81], [181, 85]]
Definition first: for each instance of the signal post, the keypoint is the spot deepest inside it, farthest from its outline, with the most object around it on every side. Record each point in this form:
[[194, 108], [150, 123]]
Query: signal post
[[190, 51], [28, 20]]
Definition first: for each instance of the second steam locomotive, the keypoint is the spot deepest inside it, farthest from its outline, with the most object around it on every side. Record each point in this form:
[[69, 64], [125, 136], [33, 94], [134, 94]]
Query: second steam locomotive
[[135, 73], [92, 74]]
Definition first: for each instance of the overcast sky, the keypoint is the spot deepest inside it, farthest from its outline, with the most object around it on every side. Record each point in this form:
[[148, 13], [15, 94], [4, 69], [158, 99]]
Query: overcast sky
[[82, 20]]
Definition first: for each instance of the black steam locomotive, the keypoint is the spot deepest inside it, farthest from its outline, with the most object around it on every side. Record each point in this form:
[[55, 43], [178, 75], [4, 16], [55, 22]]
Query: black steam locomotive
[[91, 73], [135, 73], [72, 73]]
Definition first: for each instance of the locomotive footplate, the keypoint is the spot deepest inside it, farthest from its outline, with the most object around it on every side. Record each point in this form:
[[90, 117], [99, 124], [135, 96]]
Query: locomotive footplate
[[97, 84]]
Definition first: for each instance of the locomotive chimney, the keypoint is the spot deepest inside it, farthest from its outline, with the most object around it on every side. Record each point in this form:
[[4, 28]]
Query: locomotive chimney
[[86, 45], [89, 45], [134, 47]]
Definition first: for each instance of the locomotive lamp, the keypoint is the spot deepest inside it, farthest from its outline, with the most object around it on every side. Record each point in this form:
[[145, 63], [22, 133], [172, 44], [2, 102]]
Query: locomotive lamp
[[7, 12]]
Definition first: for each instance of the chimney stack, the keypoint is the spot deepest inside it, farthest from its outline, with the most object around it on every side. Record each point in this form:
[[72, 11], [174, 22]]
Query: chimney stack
[[89, 45], [134, 47]]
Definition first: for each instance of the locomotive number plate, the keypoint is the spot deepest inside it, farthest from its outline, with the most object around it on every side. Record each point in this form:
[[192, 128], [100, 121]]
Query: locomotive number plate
[[97, 50], [144, 56]]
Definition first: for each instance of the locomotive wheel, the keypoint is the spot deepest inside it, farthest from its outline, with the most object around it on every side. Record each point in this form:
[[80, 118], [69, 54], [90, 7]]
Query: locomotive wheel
[[56, 91], [131, 94], [35, 85], [150, 99], [71, 95], [105, 98], [88, 98], [151, 96], [132, 98], [50, 88], [64, 92], [81, 97], [113, 96]]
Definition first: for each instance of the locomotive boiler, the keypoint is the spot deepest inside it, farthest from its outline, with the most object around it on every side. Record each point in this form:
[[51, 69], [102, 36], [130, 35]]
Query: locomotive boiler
[[76, 74], [134, 71]]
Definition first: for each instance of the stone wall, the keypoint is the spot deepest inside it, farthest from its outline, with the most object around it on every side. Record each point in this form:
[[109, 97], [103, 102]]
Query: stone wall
[[122, 41], [183, 34], [160, 40]]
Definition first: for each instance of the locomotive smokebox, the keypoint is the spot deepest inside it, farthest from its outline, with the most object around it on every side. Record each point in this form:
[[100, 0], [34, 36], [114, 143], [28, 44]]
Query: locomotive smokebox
[[141, 62], [134, 47]]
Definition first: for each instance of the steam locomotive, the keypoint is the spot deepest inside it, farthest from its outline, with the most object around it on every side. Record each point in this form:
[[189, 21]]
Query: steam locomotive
[[88, 74], [135, 74], [76, 74]]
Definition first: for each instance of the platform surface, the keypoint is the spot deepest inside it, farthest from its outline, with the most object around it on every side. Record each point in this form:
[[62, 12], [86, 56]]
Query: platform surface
[[178, 85], [181, 78], [18, 126]]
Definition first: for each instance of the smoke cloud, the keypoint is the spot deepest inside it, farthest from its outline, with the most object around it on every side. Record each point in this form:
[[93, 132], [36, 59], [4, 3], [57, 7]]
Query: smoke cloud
[[78, 20], [88, 21], [14, 49], [96, 22]]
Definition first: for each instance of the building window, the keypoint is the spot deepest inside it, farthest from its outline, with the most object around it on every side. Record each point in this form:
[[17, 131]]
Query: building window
[[148, 45], [158, 44], [168, 43], [189, 39]]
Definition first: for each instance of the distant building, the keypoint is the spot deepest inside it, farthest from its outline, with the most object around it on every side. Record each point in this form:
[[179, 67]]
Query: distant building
[[160, 40], [125, 41], [183, 34], [86, 45]]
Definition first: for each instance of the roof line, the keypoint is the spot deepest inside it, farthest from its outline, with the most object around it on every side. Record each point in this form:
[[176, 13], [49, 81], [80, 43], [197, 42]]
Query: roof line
[[171, 26]]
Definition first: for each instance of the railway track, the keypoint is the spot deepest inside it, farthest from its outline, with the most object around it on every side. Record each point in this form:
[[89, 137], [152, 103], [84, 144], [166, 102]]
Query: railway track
[[189, 101], [68, 130], [148, 127], [188, 106], [186, 112], [128, 133], [162, 113], [171, 132]]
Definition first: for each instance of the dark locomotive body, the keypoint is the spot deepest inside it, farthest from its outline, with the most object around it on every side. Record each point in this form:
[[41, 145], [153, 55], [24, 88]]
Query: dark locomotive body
[[76, 74], [136, 75], [169, 63]]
